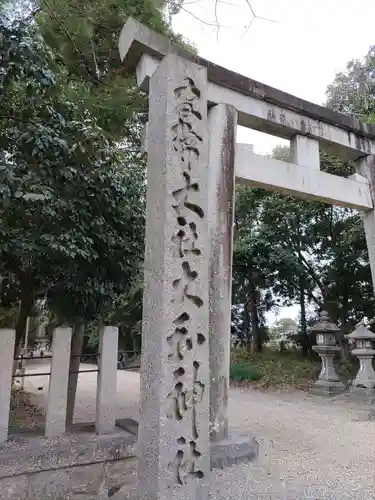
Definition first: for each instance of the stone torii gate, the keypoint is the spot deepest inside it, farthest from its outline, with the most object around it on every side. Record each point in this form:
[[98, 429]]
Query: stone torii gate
[[193, 160]]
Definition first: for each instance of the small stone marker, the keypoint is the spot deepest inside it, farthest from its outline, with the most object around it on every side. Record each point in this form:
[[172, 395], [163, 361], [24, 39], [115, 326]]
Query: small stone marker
[[7, 340], [107, 380], [58, 383]]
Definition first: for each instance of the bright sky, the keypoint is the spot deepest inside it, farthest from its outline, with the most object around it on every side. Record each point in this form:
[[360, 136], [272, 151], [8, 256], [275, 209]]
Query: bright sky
[[300, 53]]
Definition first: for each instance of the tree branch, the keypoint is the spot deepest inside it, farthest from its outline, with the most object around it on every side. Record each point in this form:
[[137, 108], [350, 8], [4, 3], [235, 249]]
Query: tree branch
[[85, 65], [313, 274]]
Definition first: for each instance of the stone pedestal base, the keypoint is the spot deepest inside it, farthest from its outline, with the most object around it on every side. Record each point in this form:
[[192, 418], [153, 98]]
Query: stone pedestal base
[[365, 378], [327, 389], [362, 393], [235, 449]]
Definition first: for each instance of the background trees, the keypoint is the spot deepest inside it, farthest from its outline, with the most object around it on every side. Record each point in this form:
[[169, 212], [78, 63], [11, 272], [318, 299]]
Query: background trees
[[305, 252], [72, 186], [71, 176], [72, 207]]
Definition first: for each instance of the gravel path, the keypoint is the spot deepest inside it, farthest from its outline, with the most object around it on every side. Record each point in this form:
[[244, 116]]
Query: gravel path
[[310, 448]]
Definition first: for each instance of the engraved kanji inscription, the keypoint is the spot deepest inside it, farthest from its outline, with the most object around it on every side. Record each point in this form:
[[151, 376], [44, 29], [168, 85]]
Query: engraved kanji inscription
[[183, 400], [185, 203], [186, 139], [184, 286], [187, 390], [180, 341], [185, 240], [186, 462]]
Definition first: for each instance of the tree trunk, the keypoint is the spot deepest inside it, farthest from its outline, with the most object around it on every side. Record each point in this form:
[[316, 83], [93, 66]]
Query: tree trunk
[[302, 303], [246, 326], [76, 351], [344, 328], [256, 341], [303, 323]]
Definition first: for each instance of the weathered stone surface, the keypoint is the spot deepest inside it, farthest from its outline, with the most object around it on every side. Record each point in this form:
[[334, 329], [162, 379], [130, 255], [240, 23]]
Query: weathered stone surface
[[366, 167], [329, 382], [362, 395], [235, 449], [173, 440], [128, 424], [98, 481], [363, 340], [126, 493], [107, 381], [7, 338], [267, 173], [222, 123], [326, 388], [67, 482], [120, 473], [58, 384], [281, 114], [366, 375], [27, 455], [304, 151]]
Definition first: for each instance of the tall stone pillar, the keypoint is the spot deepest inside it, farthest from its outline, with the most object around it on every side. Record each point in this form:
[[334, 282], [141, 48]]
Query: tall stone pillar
[[173, 437], [365, 166], [222, 125], [227, 448]]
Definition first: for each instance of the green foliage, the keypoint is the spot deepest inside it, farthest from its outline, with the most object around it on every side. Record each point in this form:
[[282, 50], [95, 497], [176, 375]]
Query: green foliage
[[352, 91], [127, 314], [84, 38], [72, 184], [72, 214], [241, 372], [290, 250], [348, 368], [279, 370]]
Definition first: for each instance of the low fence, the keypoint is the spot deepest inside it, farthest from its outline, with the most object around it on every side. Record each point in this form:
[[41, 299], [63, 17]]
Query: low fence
[[108, 360]]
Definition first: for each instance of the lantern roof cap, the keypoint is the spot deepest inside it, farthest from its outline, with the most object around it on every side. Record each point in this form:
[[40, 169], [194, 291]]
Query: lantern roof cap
[[361, 332], [324, 324]]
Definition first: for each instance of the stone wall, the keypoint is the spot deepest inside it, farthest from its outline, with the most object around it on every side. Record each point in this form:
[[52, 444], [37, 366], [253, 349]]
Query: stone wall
[[76, 467]]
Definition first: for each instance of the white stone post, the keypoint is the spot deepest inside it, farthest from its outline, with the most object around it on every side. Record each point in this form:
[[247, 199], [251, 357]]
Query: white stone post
[[366, 167], [7, 340], [173, 439], [58, 384], [107, 380], [24, 353], [222, 125], [304, 151]]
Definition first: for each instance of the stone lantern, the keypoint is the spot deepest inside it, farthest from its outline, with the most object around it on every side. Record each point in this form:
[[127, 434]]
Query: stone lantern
[[328, 383], [363, 340]]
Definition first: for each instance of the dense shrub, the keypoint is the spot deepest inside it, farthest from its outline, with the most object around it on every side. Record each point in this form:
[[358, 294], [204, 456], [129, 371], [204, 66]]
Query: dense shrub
[[240, 372], [278, 369]]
